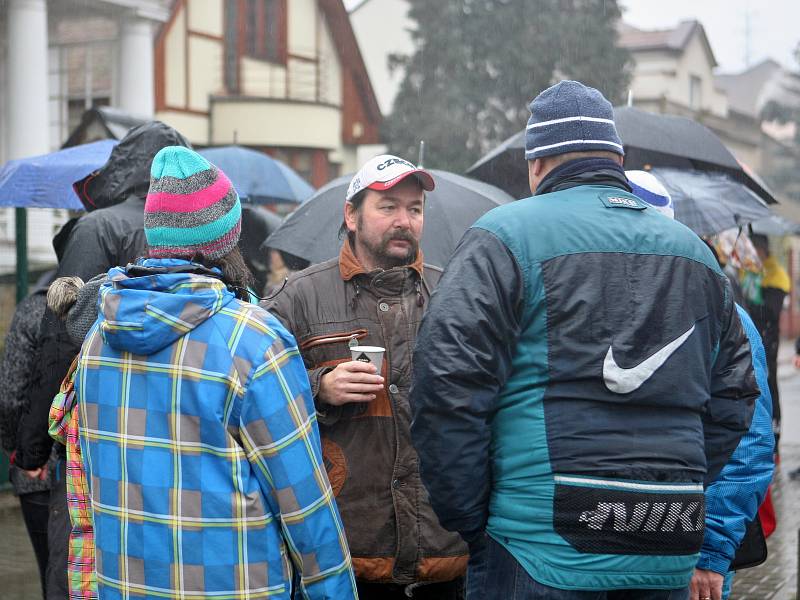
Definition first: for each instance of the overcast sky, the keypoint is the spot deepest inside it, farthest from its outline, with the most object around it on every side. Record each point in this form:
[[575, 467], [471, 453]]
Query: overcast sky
[[774, 26]]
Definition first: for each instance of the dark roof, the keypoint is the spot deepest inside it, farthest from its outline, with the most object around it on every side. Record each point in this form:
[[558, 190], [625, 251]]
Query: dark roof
[[347, 45], [747, 91], [103, 122], [674, 40]]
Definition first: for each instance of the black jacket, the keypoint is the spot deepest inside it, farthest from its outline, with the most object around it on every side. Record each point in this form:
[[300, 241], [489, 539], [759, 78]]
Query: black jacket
[[110, 234], [581, 356]]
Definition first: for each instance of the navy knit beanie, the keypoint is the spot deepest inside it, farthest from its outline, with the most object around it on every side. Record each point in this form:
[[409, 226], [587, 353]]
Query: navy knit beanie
[[570, 117]]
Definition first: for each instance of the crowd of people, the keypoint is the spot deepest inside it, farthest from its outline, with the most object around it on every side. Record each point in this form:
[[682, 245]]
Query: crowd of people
[[575, 408]]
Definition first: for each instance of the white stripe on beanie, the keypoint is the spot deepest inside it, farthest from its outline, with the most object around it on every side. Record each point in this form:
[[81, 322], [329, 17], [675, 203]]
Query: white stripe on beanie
[[568, 119], [532, 151]]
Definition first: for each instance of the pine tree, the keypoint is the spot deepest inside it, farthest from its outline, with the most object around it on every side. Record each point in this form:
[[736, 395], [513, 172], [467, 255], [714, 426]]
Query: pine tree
[[477, 65], [785, 175]]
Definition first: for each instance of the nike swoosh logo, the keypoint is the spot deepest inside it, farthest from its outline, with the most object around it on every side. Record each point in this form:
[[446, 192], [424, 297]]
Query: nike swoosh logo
[[625, 381]]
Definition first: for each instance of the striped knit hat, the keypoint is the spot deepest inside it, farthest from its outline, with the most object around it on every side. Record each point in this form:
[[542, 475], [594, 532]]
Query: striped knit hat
[[570, 117], [191, 207]]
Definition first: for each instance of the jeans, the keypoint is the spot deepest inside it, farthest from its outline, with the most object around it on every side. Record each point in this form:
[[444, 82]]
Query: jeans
[[447, 590], [35, 511], [58, 529], [494, 574]]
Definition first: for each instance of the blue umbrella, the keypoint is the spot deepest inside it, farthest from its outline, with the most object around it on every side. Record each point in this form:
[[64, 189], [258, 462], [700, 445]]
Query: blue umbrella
[[257, 177], [46, 181]]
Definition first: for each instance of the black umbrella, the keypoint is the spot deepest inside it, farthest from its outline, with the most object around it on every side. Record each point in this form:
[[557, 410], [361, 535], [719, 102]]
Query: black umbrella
[[257, 224], [505, 167], [650, 140], [708, 202], [312, 231]]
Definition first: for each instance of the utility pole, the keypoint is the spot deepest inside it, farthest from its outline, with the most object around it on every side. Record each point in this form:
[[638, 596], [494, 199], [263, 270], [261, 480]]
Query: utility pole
[[748, 33]]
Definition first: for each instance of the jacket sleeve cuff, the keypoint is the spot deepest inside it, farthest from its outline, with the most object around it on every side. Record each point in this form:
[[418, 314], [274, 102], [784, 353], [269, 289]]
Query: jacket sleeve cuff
[[327, 414], [712, 561], [28, 461]]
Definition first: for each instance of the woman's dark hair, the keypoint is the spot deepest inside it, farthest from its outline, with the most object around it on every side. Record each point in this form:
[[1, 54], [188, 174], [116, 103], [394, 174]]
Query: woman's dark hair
[[235, 273]]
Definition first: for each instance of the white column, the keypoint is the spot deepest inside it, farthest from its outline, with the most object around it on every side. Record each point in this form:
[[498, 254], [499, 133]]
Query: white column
[[28, 122], [136, 67]]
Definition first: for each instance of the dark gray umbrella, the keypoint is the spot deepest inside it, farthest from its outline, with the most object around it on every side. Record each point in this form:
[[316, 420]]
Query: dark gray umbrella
[[312, 231], [505, 167], [257, 224], [709, 202], [650, 140]]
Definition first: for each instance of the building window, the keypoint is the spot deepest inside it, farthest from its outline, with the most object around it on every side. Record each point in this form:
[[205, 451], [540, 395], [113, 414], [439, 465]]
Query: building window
[[232, 47], [80, 78], [265, 30], [77, 106], [5, 217], [299, 159], [695, 92]]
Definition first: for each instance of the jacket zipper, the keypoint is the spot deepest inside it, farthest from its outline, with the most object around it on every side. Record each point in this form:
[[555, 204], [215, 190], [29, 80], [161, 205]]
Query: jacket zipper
[[333, 338]]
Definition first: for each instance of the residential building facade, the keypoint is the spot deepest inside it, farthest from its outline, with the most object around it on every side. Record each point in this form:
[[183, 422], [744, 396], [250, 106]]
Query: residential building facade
[[284, 77], [58, 58], [674, 74]]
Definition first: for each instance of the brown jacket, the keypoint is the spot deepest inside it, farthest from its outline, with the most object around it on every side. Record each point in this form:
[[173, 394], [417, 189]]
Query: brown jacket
[[373, 468]]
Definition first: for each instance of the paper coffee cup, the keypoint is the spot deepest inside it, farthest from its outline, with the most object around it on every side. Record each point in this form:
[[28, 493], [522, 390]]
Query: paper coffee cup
[[370, 354]]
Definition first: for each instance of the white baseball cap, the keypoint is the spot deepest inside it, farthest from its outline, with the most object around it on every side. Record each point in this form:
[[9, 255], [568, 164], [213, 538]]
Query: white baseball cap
[[647, 187], [386, 171]]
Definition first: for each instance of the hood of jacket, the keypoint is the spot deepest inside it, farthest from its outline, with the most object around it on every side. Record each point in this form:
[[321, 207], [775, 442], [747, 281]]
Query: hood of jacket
[[148, 306], [127, 171]]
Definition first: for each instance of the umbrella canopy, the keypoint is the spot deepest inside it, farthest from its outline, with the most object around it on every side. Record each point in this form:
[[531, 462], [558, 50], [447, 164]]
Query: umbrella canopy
[[775, 225], [678, 142], [257, 177], [708, 202], [46, 181], [127, 171], [257, 224], [312, 231], [650, 140], [505, 167]]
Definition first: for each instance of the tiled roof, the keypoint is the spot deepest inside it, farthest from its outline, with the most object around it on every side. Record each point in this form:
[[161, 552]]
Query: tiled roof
[[675, 39], [634, 38]]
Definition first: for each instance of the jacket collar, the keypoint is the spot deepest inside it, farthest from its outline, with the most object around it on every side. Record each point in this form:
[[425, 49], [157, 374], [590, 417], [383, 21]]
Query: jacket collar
[[349, 265], [584, 171]]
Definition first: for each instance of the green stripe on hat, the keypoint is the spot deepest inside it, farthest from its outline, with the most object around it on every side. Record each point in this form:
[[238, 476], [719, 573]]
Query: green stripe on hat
[[201, 234], [177, 161]]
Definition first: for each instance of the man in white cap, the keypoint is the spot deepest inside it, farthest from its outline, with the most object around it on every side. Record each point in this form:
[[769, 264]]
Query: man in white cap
[[374, 294]]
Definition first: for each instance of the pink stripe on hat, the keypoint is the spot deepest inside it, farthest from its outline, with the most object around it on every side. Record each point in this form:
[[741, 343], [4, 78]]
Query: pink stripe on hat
[[192, 201]]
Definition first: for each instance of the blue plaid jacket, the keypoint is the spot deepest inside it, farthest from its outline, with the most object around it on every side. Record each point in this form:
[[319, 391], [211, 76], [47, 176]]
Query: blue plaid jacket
[[200, 441]]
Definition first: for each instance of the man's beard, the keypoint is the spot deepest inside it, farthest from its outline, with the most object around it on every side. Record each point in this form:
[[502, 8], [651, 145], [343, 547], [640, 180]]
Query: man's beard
[[380, 251]]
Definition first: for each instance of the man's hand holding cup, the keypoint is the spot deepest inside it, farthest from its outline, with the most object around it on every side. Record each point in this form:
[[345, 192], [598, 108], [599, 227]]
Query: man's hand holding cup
[[356, 380]]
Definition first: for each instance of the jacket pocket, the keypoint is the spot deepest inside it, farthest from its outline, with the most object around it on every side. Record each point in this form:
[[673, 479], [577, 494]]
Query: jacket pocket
[[332, 338], [610, 516]]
